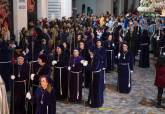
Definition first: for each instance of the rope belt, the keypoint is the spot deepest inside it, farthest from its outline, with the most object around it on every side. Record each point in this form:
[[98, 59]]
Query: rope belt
[[35, 85], [22, 81], [109, 50], [4, 62], [124, 63], [77, 74], [96, 71], [144, 44], [60, 68]]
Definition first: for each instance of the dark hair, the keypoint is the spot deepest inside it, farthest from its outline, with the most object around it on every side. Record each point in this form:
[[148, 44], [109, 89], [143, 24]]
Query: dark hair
[[50, 87], [124, 43], [43, 57]]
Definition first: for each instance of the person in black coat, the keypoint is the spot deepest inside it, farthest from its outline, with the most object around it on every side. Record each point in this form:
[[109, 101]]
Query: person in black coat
[[75, 77], [144, 50], [125, 68], [20, 79], [5, 57], [85, 55], [44, 47], [155, 40], [83, 50], [60, 63], [96, 97], [44, 97], [41, 68], [109, 45], [66, 49], [162, 42], [101, 53], [131, 38]]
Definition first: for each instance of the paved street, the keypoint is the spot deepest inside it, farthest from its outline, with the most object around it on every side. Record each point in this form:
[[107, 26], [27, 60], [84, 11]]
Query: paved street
[[141, 100]]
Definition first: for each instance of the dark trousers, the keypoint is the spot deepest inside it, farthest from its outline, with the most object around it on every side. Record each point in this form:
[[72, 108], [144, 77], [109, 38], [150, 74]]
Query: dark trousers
[[160, 93]]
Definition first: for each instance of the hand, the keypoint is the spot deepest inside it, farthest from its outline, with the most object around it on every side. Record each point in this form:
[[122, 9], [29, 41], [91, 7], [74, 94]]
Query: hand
[[82, 61], [41, 52], [12, 77], [158, 38], [24, 53], [54, 62], [13, 46], [27, 50], [103, 68], [85, 63], [163, 53], [91, 56], [119, 55], [139, 50], [69, 68], [28, 95], [32, 77], [131, 71]]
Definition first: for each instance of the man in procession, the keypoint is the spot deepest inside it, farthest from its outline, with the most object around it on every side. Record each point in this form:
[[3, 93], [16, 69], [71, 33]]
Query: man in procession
[[20, 78]]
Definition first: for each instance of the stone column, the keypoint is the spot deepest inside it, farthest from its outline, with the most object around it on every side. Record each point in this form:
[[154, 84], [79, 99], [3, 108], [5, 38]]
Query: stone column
[[42, 9], [20, 17], [66, 8], [120, 6]]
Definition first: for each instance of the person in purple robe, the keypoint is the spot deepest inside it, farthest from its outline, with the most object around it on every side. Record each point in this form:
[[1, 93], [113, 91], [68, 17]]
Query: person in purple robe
[[75, 77]]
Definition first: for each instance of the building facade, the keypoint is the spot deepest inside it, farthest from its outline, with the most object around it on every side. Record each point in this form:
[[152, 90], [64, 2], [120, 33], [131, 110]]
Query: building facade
[[24, 10]]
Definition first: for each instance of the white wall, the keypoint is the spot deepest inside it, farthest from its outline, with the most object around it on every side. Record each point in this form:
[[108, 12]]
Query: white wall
[[54, 9], [66, 8], [121, 6], [20, 17], [88, 3], [130, 2], [104, 5], [42, 9]]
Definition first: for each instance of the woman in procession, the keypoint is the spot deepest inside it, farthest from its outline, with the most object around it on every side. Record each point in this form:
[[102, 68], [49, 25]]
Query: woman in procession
[[60, 62], [125, 68], [110, 47], [44, 96], [75, 77], [96, 97]]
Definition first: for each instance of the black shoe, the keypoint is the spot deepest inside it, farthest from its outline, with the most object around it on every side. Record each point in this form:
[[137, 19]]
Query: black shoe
[[158, 105], [87, 103]]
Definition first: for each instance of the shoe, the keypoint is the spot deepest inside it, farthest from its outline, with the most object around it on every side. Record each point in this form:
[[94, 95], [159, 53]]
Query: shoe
[[158, 105], [87, 103]]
